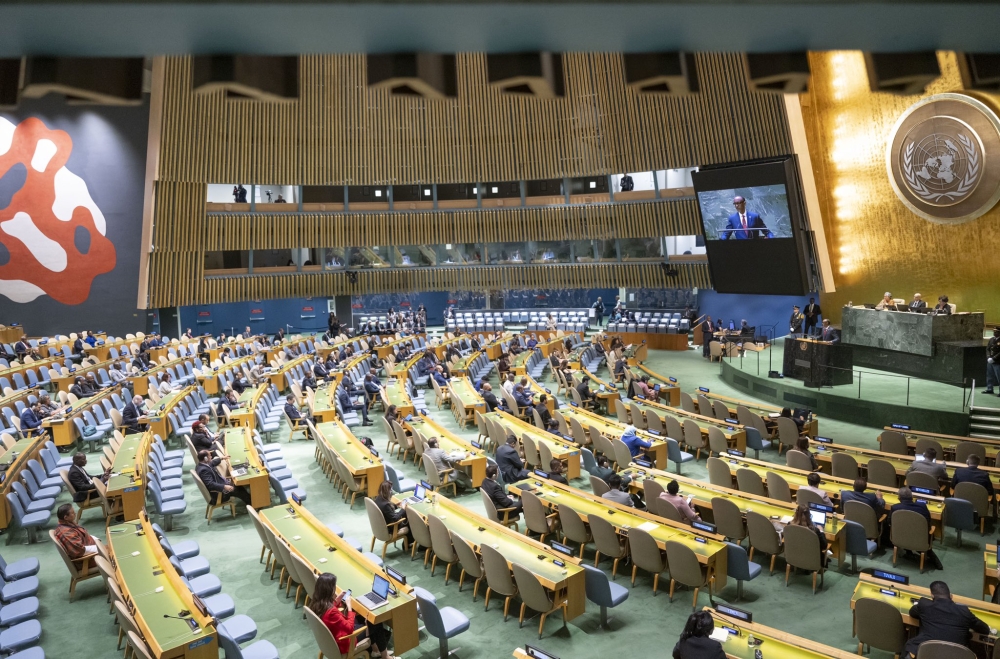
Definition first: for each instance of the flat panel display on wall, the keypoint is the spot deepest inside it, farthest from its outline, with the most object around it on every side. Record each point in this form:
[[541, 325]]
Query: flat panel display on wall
[[752, 219]]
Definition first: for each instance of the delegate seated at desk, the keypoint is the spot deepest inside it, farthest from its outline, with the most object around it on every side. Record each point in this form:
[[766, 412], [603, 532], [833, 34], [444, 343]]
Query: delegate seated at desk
[[942, 308], [875, 501], [887, 303], [918, 302], [941, 619], [495, 492], [929, 466]]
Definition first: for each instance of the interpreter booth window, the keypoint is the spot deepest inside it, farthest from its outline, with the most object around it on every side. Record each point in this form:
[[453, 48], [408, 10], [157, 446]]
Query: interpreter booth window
[[368, 197], [501, 194], [583, 251], [276, 197], [675, 182], [607, 250], [369, 257], [460, 254], [688, 246], [641, 249], [641, 182], [508, 253], [457, 195], [589, 190], [275, 260], [310, 259], [334, 258], [544, 252], [412, 197], [414, 256], [232, 261], [232, 197], [322, 198], [546, 192]]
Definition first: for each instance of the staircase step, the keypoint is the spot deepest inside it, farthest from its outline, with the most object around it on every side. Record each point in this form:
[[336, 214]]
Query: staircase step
[[985, 418], [982, 435], [980, 427]]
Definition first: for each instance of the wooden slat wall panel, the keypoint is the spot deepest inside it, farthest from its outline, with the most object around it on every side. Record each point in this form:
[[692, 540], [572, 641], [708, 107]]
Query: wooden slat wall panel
[[255, 287], [341, 133], [231, 231]]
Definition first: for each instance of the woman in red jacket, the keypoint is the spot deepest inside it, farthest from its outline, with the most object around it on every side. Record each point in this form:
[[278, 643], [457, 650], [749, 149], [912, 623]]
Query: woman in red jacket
[[341, 623]]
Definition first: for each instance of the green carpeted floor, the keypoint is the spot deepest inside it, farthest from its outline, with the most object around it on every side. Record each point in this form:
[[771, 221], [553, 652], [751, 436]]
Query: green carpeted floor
[[643, 626]]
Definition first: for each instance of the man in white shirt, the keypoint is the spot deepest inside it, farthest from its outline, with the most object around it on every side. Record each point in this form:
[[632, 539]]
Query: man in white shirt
[[813, 486], [508, 385]]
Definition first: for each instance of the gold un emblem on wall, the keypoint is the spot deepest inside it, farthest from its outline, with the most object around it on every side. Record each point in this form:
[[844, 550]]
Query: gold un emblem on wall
[[943, 158]]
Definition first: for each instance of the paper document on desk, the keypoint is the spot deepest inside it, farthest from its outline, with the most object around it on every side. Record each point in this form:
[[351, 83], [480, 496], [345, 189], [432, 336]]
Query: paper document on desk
[[719, 634], [785, 519], [648, 526]]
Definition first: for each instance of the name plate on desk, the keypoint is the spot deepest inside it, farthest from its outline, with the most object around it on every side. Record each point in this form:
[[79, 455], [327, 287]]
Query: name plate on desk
[[130, 489]]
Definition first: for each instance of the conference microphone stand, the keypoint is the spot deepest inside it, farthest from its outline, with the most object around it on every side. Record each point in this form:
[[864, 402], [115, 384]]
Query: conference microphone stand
[[772, 330]]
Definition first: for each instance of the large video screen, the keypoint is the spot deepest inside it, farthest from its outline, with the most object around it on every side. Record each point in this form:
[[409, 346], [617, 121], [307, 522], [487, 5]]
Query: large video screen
[[750, 217]]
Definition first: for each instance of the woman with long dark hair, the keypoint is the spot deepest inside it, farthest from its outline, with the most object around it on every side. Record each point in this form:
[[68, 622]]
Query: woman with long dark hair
[[341, 623], [802, 518], [694, 642]]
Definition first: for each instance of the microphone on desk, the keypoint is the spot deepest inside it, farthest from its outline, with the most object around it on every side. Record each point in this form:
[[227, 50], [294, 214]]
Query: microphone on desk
[[184, 614]]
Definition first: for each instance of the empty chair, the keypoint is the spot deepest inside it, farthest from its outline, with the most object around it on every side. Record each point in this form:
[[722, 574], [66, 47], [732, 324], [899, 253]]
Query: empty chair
[[257, 650], [717, 441], [882, 472], [802, 550], [685, 568], [22, 520], [719, 473], [536, 597], [536, 520], [755, 441], [777, 487], [573, 527], [739, 567], [602, 592], [421, 534], [607, 542], [441, 543], [498, 578], [646, 554], [728, 519], [965, 449], [798, 460], [891, 441], [676, 455], [977, 495], [442, 624], [879, 625], [472, 565], [959, 515], [943, 650], [763, 537], [749, 481], [857, 543], [845, 466]]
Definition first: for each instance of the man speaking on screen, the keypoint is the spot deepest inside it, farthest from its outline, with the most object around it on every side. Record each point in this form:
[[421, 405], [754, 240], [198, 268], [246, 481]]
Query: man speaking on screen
[[744, 225]]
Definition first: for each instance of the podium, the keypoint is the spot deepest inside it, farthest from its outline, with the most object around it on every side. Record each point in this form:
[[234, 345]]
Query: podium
[[808, 360]]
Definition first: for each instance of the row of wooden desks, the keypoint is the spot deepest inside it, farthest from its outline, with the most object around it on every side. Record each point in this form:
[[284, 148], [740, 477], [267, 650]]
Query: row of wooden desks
[[385, 349], [669, 392], [158, 418], [277, 375], [243, 415], [125, 487], [140, 381], [735, 434], [360, 461], [563, 450], [16, 458], [710, 548], [323, 551], [465, 400], [245, 466], [394, 393], [209, 377], [158, 596], [566, 580], [657, 452], [61, 426], [948, 443], [461, 453], [779, 512], [762, 410]]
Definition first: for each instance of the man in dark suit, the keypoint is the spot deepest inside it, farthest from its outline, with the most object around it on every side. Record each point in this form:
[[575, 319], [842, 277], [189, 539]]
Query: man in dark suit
[[291, 409], [131, 414], [347, 403], [707, 334], [214, 481], [626, 183], [543, 409], [918, 302], [829, 333], [81, 481], [522, 397], [584, 390], [941, 619], [745, 225], [80, 388], [971, 473], [491, 399], [876, 501], [494, 491], [812, 312], [509, 461], [309, 382], [372, 389], [31, 420], [319, 370]]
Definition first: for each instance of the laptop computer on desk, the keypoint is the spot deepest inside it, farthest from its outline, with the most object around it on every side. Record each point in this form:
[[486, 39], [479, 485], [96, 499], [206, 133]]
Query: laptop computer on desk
[[418, 495], [377, 597]]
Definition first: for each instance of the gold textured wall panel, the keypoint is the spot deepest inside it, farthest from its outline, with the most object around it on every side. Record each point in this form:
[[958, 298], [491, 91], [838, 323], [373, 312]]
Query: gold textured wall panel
[[876, 243], [340, 132]]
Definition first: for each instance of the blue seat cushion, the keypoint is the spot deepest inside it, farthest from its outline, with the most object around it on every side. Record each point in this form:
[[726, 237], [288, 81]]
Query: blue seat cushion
[[47, 493], [296, 491], [281, 474], [339, 532], [170, 483], [220, 606], [454, 621], [25, 567], [260, 650], [185, 549], [172, 495], [41, 506], [272, 448], [872, 546], [407, 485], [31, 653], [242, 628], [19, 611], [174, 472], [619, 593], [20, 635], [205, 585], [755, 568], [355, 544], [175, 507], [374, 558], [195, 566], [19, 589]]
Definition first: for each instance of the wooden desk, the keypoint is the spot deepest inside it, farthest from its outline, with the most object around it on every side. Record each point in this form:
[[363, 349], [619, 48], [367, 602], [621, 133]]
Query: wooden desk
[[474, 462], [325, 552], [460, 368], [566, 582], [359, 460], [536, 393], [243, 416], [394, 393], [762, 410], [948, 442], [17, 459], [323, 403], [905, 597], [657, 453], [63, 430], [64, 382], [241, 451], [776, 643], [11, 334], [385, 349], [128, 474], [158, 419], [142, 569], [555, 342], [277, 376], [991, 579], [465, 401], [736, 436], [711, 553], [102, 352], [669, 392], [654, 340], [209, 379], [495, 348], [703, 493], [517, 366], [565, 451]]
